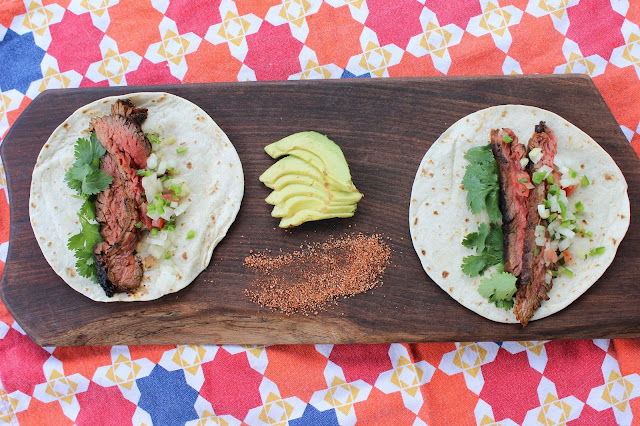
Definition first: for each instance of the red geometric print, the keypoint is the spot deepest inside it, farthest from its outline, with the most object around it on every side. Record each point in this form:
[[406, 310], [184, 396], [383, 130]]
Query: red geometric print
[[21, 376], [273, 55], [103, 406], [77, 34], [333, 46], [543, 56], [567, 367], [508, 379], [196, 16], [231, 385], [591, 21], [395, 22], [450, 13], [377, 356], [295, 379]]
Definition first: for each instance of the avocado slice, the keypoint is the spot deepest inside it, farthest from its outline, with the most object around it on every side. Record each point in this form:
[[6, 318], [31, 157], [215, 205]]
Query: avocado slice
[[309, 215], [295, 204], [289, 165], [301, 189], [319, 151]]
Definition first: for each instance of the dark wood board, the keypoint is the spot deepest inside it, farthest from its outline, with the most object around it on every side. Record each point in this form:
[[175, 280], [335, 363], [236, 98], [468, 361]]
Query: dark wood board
[[384, 128]]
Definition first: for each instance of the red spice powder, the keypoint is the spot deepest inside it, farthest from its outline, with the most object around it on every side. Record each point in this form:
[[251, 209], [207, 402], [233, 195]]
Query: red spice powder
[[307, 281]]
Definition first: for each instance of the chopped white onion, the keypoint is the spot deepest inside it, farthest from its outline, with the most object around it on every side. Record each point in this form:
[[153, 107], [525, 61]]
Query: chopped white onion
[[162, 167], [540, 241], [524, 162], [168, 212], [543, 211], [151, 186], [566, 232], [535, 155], [547, 278], [564, 244], [152, 161], [174, 204], [554, 245], [540, 231], [181, 208], [156, 251]]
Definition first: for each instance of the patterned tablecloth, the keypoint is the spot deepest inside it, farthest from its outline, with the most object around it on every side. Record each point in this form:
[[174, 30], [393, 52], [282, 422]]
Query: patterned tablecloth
[[48, 44]]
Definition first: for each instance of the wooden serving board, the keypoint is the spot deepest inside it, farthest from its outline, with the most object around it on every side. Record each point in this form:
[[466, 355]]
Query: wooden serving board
[[384, 128]]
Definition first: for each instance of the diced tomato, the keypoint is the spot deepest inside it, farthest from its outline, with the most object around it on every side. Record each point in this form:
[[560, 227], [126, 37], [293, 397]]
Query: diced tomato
[[521, 187], [550, 256], [569, 189], [168, 197], [147, 222], [568, 257]]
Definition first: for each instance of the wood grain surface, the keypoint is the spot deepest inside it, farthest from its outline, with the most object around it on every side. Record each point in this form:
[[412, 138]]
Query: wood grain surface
[[384, 127]]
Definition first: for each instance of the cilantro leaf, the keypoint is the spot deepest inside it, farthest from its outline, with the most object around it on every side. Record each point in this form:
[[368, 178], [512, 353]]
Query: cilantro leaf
[[95, 182], [84, 175], [488, 244], [479, 154], [88, 209], [499, 289], [477, 239], [481, 182], [82, 243]]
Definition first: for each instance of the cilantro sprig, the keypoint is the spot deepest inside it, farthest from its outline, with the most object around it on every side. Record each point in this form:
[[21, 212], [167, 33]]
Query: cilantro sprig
[[481, 182], [88, 180], [85, 175], [488, 244], [499, 289]]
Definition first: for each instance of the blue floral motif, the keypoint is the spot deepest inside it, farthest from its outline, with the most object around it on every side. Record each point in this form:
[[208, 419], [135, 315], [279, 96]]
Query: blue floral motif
[[167, 397], [20, 58]]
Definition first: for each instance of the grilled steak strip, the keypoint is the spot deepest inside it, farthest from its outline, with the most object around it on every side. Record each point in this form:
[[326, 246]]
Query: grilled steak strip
[[124, 139], [532, 288], [513, 197], [118, 207], [127, 109]]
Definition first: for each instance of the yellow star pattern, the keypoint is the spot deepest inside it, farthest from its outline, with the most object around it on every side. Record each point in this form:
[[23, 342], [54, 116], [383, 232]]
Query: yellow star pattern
[[480, 355], [284, 407], [56, 381], [37, 18], [495, 19], [558, 10], [131, 367], [627, 386], [9, 408], [434, 32], [294, 11], [173, 47], [375, 59], [632, 49], [234, 28]]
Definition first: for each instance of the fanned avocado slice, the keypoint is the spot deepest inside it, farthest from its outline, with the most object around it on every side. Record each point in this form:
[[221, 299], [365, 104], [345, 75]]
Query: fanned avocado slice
[[301, 189], [308, 215], [296, 204], [289, 165], [320, 152]]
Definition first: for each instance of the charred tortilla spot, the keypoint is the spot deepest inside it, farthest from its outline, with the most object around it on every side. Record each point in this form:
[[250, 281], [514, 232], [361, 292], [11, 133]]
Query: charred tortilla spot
[[445, 274], [49, 244], [608, 177], [431, 175], [200, 118], [614, 241], [467, 220], [189, 165], [426, 204], [504, 113], [71, 272], [33, 205], [65, 125], [435, 212], [423, 173], [424, 253], [415, 222], [184, 255]]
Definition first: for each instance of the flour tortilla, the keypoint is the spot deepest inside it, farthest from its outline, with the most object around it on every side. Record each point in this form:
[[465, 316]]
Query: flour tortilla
[[439, 218], [215, 179]]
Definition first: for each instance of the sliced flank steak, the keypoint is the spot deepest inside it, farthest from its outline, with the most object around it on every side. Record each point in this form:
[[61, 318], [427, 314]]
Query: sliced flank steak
[[513, 196], [532, 285], [118, 207]]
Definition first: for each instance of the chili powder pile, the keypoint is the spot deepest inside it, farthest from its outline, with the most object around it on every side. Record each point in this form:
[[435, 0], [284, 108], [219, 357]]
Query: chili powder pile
[[307, 281]]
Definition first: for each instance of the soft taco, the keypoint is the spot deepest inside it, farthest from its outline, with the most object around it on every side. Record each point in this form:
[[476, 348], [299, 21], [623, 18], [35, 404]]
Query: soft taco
[[577, 206], [131, 194]]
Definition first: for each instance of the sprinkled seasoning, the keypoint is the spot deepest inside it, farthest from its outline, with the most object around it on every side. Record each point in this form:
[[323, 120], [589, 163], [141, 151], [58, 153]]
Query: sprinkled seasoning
[[307, 281]]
